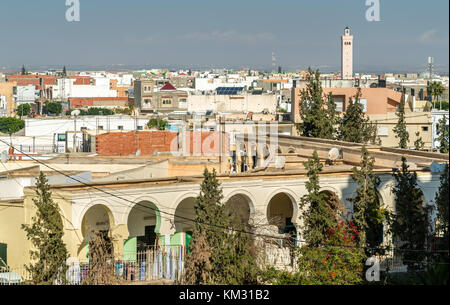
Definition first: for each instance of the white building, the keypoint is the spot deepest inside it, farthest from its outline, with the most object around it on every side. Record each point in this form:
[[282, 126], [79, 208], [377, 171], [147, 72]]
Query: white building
[[26, 94], [232, 103], [435, 117], [55, 131], [65, 88]]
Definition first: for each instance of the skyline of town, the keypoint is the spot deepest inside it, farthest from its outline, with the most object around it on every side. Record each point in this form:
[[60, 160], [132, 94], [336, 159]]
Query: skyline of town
[[232, 35], [209, 142]]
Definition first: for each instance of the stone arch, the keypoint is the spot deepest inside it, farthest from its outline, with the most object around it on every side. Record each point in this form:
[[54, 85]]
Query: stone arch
[[143, 213], [334, 197], [97, 217], [291, 150], [241, 205], [143, 224], [282, 208], [386, 195], [184, 214]]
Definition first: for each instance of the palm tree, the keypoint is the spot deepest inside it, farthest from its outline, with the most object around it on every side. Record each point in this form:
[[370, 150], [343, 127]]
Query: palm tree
[[436, 89]]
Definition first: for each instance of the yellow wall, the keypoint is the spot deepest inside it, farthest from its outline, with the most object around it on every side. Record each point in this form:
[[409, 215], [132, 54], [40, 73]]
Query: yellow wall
[[11, 217], [6, 89]]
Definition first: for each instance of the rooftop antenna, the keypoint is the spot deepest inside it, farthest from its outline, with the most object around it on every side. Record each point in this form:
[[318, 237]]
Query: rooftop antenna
[[274, 62]]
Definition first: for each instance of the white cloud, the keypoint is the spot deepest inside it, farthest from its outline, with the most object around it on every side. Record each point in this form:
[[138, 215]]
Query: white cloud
[[428, 35]]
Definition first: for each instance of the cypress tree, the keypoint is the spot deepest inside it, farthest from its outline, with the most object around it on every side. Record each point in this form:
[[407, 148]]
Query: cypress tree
[[355, 126], [220, 253], [367, 211], [45, 233], [410, 224], [64, 72], [442, 203], [23, 72], [318, 113], [318, 215], [442, 131], [400, 129], [418, 143]]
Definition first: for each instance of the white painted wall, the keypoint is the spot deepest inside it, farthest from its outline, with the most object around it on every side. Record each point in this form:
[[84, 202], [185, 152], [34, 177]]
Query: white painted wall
[[435, 117], [26, 94], [99, 89], [223, 103], [47, 127], [13, 188]]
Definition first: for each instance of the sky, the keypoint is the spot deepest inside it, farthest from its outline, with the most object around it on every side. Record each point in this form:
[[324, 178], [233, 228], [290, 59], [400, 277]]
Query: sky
[[224, 34]]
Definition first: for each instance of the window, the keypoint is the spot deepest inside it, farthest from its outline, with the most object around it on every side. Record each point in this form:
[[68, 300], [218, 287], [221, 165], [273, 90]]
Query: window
[[139, 127], [148, 102], [339, 101], [120, 127], [424, 128], [383, 131], [61, 137], [100, 127], [166, 102]]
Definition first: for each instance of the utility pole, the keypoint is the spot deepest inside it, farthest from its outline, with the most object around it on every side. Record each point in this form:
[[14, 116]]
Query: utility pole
[[74, 133], [220, 144]]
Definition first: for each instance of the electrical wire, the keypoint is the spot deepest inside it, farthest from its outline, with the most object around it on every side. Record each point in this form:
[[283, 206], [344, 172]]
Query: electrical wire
[[196, 221]]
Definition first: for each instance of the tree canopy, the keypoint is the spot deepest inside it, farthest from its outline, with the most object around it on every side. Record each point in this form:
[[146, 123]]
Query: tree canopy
[[46, 231], [157, 123], [220, 253], [23, 109], [53, 107], [10, 125], [317, 112], [443, 133], [355, 126], [400, 130]]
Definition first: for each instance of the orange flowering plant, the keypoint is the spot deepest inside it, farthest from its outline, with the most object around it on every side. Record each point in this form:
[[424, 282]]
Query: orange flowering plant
[[336, 261]]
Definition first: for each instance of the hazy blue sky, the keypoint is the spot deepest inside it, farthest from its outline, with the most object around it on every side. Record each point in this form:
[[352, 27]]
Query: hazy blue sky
[[224, 33]]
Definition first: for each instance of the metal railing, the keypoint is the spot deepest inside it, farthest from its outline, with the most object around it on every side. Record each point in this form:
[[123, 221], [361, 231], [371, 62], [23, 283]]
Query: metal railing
[[155, 263]]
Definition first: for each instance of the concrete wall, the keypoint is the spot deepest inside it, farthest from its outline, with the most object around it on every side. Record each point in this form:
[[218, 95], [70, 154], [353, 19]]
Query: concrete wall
[[232, 103], [379, 100]]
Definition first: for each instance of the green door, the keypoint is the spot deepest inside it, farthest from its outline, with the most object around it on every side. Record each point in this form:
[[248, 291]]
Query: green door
[[188, 240]]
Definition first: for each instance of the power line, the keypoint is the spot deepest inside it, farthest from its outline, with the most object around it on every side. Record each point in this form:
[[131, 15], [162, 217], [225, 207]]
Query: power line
[[194, 220], [147, 207]]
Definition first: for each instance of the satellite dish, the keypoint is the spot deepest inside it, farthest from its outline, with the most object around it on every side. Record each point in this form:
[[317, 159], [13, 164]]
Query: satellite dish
[[138, 153], [436, 167], [279, 162], [333, 154], [4, 156], [155, 153], [75, 112]]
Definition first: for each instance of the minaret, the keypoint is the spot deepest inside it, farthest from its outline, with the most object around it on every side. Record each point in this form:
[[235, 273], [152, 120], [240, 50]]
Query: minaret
[[347, 55]]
